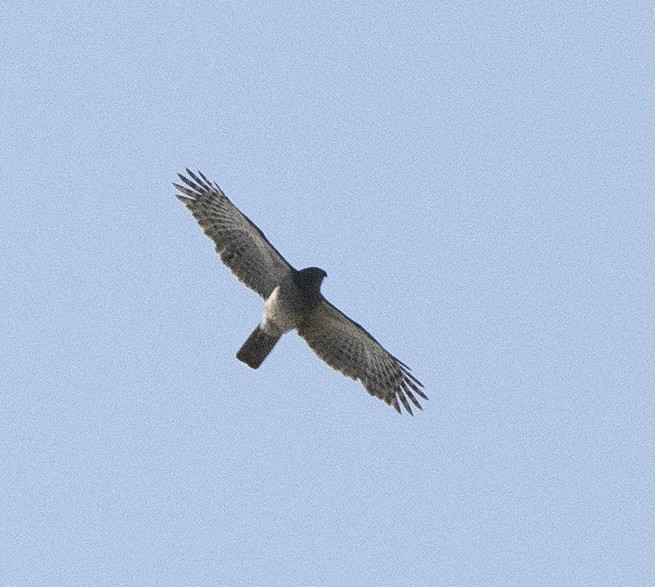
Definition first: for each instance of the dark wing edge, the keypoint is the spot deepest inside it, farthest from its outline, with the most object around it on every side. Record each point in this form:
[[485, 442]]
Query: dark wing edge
[[347, 347], [241, 245]]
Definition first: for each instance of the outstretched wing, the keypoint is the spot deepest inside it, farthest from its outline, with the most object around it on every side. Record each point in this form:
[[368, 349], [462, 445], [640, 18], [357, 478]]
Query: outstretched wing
[[347, 347], [240, 244]]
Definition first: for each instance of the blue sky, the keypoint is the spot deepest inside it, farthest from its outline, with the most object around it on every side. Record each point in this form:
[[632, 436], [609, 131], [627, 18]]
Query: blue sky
[[476, 178]]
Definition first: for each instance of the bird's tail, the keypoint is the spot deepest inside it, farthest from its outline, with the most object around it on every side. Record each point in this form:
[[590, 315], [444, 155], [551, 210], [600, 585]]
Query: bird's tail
[[256, 348]]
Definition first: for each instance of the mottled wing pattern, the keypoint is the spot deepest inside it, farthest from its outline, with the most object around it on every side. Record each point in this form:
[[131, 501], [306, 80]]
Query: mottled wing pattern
[[240, 244], [347, 347]]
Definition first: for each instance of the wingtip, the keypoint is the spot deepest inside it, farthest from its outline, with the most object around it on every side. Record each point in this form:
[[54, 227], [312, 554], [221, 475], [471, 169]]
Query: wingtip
[[186, 195], [195, 177], [200, 173], [405, 403], [393, 402]]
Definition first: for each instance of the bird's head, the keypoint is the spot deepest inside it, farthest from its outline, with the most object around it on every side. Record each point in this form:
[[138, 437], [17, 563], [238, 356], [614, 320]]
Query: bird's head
[[311, 278]]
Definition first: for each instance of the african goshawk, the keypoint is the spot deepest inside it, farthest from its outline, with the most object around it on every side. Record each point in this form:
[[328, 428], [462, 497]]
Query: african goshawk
[[294, 300]]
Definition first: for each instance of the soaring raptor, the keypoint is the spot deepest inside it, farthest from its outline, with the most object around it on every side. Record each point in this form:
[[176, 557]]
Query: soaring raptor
[[294, 300]]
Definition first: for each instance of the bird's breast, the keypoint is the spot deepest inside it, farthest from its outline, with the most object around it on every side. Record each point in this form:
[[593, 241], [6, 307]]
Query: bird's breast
[[282, 312]]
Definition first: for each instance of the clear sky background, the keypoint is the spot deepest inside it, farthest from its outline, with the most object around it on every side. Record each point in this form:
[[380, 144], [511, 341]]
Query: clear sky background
[[477, 179]]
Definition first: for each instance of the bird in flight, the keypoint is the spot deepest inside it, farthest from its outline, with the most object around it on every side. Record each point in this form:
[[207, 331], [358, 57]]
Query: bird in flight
[[294, 300]]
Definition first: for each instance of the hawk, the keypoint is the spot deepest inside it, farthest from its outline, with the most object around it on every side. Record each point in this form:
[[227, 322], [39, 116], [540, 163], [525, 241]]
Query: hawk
[[294, 300]]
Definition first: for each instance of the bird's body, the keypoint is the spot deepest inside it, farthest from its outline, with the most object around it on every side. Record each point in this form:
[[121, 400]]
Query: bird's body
[[293, 300], [285, 309], [282, 309]]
